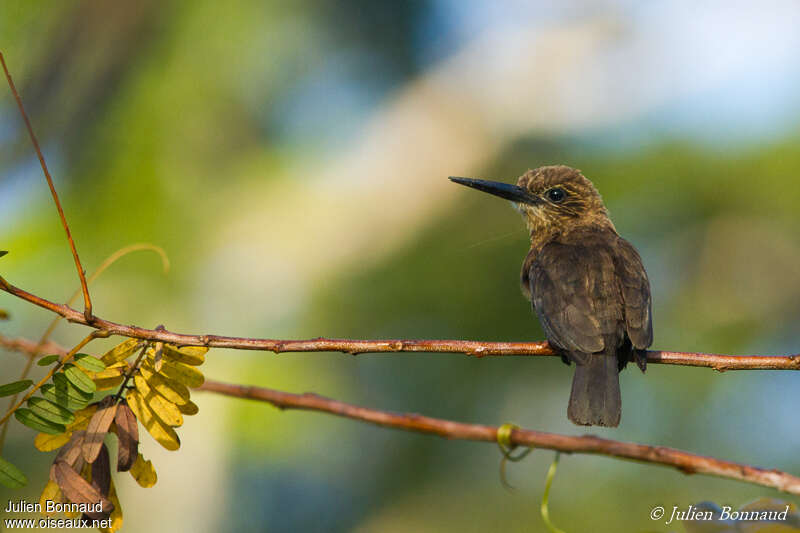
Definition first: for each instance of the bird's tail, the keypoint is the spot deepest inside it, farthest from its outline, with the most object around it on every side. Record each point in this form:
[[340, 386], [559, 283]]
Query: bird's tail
[[595, 399]]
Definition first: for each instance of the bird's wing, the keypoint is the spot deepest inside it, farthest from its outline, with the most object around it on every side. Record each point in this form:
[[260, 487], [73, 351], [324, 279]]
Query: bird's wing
[[636, 295], [575, 296]]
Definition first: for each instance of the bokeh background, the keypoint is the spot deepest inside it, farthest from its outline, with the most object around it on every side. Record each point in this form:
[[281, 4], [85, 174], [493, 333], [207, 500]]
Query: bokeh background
[[292, 157]]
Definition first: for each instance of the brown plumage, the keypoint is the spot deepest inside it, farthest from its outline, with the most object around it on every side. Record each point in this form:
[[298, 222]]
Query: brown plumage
[[587, 285]]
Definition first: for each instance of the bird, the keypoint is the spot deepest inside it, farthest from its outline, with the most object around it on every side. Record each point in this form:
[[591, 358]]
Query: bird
[[586, 284]]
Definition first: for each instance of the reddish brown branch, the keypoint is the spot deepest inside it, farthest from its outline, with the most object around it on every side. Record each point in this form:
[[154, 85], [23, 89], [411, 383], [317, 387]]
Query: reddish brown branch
[[29, 347], [473, 348], [684, 461], [81, 274]]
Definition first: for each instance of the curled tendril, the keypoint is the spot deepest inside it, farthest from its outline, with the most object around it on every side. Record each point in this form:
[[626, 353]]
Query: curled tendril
[[551, 473], [506, 448]]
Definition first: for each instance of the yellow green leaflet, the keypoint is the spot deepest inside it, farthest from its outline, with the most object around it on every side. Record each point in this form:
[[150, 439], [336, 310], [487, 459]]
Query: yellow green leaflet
[[9, 389], [64, 386], [51, 411], [170, 389], [46, 442], [108, 383], [120, 352], [189, 409], [188, 375], [79, 378], [90, 363], [11, 476], [159, 430], [68, 397], [34, 421], [111, 377], [190, 355], [111, 371], [143, 472], [47, 360], [50, 493], [163, 408]]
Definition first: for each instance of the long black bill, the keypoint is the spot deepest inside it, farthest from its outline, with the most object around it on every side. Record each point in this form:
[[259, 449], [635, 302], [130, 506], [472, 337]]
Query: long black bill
[[497, 188]]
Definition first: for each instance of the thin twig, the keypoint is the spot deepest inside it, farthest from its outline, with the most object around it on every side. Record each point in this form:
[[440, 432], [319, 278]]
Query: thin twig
[[87, 312], [686, 462], [27, 346], [129, 374], [718, 362]]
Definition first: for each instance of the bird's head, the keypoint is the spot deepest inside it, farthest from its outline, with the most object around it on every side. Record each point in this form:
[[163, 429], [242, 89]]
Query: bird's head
[[551, 199]]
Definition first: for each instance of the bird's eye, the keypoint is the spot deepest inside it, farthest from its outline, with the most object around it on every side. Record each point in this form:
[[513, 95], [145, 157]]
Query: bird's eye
[[556, 195]]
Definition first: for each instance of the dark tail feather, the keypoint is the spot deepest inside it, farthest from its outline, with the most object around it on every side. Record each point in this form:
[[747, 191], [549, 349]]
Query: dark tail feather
[[595, 399]]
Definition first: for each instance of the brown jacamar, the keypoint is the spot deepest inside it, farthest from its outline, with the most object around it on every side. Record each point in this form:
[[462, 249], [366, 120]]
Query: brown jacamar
[[587, 285]]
